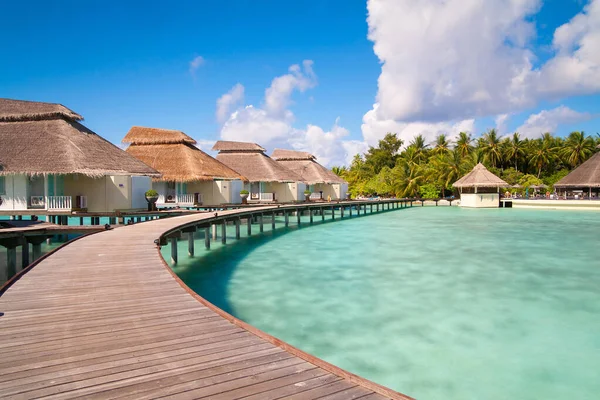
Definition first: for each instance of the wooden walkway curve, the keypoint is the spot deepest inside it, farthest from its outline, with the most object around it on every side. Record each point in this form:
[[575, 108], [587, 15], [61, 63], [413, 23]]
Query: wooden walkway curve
[[103, 318]]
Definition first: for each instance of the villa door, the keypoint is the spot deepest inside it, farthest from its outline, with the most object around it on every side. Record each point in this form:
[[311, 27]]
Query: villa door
[[171, 192], [36, 192]]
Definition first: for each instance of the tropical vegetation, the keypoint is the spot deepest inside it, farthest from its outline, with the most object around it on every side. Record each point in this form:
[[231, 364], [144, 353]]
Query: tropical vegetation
[[428, 170]]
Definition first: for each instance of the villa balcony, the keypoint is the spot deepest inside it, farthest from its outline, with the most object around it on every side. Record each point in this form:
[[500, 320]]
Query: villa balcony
[[262, 197], [57, 203], [183, 200]]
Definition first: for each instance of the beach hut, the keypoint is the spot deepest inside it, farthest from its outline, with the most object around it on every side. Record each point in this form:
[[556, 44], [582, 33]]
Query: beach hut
[[583, 180], [323, 183], [189, 176], [268, 180], [50, 162], [480, 188]]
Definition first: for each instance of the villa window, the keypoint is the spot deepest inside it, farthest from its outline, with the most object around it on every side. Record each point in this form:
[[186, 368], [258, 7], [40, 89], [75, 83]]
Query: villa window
[[2, 185]]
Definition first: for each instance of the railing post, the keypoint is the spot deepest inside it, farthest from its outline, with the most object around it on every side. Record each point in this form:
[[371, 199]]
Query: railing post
[[207, 238]]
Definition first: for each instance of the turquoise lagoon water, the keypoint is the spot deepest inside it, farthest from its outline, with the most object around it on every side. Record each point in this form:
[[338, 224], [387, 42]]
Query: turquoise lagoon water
[[438, 303]]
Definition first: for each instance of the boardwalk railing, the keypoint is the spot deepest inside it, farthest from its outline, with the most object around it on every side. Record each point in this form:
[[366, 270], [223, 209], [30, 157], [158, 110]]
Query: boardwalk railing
[[60, 203]]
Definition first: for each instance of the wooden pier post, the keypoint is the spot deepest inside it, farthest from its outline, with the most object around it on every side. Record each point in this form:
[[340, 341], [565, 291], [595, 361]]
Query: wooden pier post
[[322, 211], [214, 231], [24, 253], [237, 228], [342, 212], [11, 262], [207, 238], [249, 222], [173, 241], [287, 218], [310, 214], [191, 244], [350, 210], [332, 213], [273, 221], [261, 223], [224, 232], [298, 216]]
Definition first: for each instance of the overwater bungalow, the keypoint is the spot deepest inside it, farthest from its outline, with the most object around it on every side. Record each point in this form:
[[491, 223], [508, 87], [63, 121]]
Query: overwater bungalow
[[189, 176], [268, 180], [323, 183], [583, 181], [50, 162], [480, 188]]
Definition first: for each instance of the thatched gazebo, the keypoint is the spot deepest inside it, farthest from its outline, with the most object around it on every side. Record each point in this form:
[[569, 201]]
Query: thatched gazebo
[[268, 179], [480, 188], [322, 182], [189, 175], [51, 162], [583, 180]]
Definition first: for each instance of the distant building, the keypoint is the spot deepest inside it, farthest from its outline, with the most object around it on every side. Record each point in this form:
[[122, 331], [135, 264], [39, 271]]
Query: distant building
[[189, 176], [583, 180], [321, 182], [268, 180], [50, 162], [480, 188]]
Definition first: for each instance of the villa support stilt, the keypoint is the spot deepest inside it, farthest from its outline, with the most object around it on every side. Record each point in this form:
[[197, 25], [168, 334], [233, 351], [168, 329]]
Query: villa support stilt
[[24, 253], [261, 217], [342, 212], [322, 211], [287, 218], [224, 232], [298, 216], [237, 229], [249, 223], [273, 221], [191, 244], [332, 213], [310, 215], [214, 231], [207, 238], [173, 250]]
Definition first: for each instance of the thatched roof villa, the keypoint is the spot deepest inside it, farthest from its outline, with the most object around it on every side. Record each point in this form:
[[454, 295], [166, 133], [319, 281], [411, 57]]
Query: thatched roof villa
[[51, 162], [480, 188], [583, 180], [188, 175], [321, 181], [268, 179]]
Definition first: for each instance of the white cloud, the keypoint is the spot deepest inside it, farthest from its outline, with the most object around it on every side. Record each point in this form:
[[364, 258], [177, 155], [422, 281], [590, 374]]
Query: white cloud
[[196, 63], [500, 121], [228, 101], [205, 145], [272, 124], [455, 60], [548, 120], [374, 129]]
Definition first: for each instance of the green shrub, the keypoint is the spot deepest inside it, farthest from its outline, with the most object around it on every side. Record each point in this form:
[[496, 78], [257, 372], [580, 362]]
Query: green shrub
[[151, 193], [307, 192], [244, 192]]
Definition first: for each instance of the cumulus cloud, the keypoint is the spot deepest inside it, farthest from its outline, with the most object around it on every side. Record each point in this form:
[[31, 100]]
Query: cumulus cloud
[[196, 63], [374, 128], [228, 101], [271, 125], [548, 120], [449, 61]]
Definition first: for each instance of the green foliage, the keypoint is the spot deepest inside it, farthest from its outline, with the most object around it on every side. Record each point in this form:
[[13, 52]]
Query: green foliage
[[307, 192], [430, 170], [429, 191], [151, 193], [244, 191]]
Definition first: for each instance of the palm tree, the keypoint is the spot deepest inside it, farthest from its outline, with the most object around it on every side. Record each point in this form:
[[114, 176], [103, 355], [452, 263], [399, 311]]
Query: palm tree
[[442, 145], [407, 179], [490, 144], [447, 169], [463, 144], [577, 148], [541, 154], [411, 156], [515, 149], [339, 171]]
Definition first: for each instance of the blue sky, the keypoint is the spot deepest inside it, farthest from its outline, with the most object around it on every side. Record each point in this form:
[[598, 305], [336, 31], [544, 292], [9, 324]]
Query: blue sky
[[128, 63]]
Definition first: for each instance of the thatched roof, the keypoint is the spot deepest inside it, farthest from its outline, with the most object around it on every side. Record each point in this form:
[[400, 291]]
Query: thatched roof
[[20, 110], [585, 176], [43, 138], [173, 154], [304, 164], [143, 135], [250, 160], [227, 146], [480, 177]]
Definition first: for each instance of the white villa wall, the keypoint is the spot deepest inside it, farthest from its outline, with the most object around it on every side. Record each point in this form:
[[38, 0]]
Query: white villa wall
[[208, 189], [236, 186], [480, 200], [139, 186], [15, 196]]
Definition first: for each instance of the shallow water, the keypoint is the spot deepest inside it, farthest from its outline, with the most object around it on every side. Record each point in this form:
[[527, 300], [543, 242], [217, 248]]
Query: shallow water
[[438, 303]]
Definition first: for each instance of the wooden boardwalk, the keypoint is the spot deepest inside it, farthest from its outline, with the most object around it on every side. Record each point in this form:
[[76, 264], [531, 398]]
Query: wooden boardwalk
[[104, 318]]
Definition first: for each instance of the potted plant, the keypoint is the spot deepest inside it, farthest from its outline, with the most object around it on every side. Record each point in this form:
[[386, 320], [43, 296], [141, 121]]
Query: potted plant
[[307, 194], [151, 198], [244, 195]]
